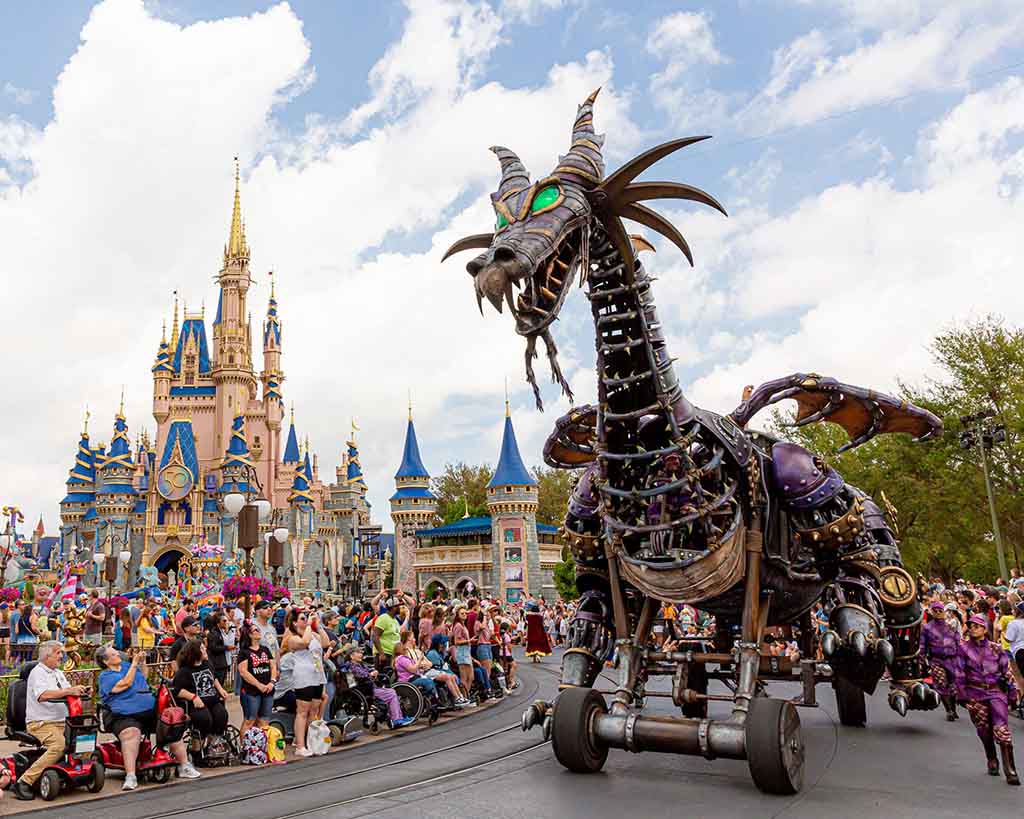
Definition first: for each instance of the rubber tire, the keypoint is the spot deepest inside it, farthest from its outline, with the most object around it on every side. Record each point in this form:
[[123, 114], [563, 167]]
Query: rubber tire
[[99, 776], [160, 776], [410, 700], [776, 766], [49, 785], [851, 705], [571, 739]]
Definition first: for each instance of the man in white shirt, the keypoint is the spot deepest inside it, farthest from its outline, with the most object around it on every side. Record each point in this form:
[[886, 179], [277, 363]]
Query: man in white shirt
[[45, 712]]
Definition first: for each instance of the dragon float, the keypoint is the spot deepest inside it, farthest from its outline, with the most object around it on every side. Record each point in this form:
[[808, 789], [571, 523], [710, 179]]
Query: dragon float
[[677, 503]]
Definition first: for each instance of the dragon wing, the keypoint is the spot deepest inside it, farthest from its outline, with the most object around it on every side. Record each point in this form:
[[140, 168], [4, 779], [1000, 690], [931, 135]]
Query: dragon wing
[[863, 413]]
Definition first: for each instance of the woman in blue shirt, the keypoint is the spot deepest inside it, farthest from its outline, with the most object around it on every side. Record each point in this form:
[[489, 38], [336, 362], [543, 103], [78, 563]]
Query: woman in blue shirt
[[125, 693]]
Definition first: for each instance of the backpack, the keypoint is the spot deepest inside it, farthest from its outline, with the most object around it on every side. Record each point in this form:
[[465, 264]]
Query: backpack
[[275, 744], [254, 747], [318, 737], [217, 752]]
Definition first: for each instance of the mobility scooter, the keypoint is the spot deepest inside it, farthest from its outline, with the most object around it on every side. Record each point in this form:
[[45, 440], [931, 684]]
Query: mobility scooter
[[76, 768]]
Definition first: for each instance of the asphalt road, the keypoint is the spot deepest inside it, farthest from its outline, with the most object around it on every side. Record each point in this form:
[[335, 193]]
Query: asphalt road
[[920, 766]]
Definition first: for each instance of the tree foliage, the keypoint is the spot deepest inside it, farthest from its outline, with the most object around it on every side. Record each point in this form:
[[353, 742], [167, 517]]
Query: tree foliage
[[462, 487], [938, 487], [554, 487], [565, 579]]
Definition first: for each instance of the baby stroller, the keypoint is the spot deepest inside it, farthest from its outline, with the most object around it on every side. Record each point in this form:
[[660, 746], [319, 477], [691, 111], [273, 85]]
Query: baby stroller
[[76, 768]]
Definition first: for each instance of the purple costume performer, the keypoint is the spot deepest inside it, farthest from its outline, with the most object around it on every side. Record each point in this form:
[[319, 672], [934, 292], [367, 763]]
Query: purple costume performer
[[939, 645], [982, 675]]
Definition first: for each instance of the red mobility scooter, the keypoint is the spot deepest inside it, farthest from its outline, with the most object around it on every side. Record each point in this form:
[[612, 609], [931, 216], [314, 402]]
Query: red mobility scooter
[[154, 761], [76, 768]]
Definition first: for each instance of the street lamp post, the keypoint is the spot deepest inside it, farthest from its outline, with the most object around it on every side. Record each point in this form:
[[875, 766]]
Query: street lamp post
[[984, 436]]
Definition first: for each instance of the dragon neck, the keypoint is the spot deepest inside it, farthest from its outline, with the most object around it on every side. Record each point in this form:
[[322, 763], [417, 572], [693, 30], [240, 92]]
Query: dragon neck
[[634, 368]]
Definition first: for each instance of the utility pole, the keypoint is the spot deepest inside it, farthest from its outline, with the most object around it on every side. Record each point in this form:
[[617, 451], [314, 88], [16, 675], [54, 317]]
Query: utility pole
[[984, 436]]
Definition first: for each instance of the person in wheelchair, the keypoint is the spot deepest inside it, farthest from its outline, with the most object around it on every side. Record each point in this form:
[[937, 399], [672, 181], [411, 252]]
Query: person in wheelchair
[[428, 670], [125, 693], [196, 686], [352, 662], [45, 712]]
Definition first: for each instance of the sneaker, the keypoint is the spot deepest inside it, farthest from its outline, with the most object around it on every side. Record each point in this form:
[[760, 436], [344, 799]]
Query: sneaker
[[131, 782], [470, 702], [402, 722], [188, 771], [303, 752], [461, 703]]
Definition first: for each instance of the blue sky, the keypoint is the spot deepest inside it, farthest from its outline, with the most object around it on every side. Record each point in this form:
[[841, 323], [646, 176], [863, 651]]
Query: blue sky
[[868, 153]]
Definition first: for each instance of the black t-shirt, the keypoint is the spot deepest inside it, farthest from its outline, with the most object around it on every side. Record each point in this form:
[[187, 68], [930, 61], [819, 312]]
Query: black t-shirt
[[258, 663], [176, 647], [198, 680]]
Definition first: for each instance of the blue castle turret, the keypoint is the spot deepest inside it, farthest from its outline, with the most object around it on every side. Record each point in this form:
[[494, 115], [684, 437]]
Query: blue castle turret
[[291, 449], [413, 507]]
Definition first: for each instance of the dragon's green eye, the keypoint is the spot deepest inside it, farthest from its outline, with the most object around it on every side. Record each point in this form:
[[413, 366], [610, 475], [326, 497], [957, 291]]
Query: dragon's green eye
[[545, 198], [502, 221]]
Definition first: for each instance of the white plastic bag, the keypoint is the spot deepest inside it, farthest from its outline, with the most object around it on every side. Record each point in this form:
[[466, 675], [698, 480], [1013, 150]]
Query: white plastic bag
[[318, 737]]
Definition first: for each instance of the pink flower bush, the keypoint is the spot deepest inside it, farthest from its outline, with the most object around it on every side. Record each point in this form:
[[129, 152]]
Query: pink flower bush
[[235, 587]]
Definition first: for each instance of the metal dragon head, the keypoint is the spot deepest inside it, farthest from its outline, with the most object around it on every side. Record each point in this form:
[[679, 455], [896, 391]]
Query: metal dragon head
[[542, 234]]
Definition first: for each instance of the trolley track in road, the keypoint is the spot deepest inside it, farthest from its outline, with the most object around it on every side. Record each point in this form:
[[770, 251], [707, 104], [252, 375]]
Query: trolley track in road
[[180, 811]]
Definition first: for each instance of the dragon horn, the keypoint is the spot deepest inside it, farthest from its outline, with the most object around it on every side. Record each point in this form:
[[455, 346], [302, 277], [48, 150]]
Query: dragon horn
[[514, 176], [584, 160]]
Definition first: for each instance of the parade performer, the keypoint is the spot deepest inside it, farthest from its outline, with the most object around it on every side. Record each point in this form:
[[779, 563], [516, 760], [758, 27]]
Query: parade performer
[[939, 644], [982, 682], [537, 643]]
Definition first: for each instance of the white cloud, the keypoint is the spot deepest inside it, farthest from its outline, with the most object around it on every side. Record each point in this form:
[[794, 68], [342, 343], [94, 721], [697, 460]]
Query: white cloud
[[757, 178], [874, 270], [685, 40], [21, 96], [915, 47], [129, 198]]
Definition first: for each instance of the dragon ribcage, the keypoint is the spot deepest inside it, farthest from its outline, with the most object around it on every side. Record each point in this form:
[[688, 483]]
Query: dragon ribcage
[[667, 487]]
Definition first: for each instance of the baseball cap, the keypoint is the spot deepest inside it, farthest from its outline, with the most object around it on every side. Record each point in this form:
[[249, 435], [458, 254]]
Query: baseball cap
[[189, 621], [936, 605], [264, 604], [978, 619]]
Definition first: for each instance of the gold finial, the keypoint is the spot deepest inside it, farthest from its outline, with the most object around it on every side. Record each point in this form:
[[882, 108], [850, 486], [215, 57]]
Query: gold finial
[[465, 500], [410, 405], [293, 413], [355, 429], [85, 423], [202, 309], [163, 332], [236, 237], [508, 410], [271, 274], [120, 411]]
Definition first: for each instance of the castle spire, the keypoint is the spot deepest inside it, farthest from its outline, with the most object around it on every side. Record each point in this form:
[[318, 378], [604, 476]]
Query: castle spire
[[291, 449], [236, 248], [174, 323], [511, 471]]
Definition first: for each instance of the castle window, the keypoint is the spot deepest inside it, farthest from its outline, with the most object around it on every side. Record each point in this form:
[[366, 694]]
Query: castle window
[[508, 490], [190, 379], [190, 362], [257, 441]]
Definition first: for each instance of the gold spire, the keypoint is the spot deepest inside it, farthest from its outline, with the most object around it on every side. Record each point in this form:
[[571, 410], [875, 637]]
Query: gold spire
[[120, 411], [236, 248], [163, 332], [410, 405], [271, 274], [85, 423], [508, 411], [355, 429], [174, 323], [293, 413]]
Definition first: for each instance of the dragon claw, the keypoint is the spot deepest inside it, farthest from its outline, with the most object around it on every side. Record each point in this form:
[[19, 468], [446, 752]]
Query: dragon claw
[[829, 643], [885, 651], [899, 703]]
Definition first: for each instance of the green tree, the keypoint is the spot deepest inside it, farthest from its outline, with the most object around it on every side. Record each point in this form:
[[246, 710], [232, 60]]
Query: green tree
[[565, 579], [460, 486], [554, 487], [937, 486]]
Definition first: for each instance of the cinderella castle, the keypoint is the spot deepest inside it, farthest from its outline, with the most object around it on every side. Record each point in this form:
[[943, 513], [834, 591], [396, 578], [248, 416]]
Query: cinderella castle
[[219, 428]]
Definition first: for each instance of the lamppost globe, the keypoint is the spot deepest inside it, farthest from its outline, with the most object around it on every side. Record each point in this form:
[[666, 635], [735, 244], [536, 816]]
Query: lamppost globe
[[233, 503], [125, 556], [281, 534], [263, 509]]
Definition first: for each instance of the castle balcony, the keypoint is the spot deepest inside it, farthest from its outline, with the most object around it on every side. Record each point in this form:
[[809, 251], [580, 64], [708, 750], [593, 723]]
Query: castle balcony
[[453, 558]]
